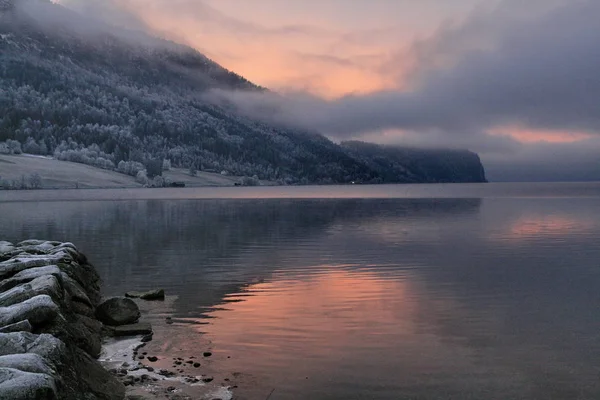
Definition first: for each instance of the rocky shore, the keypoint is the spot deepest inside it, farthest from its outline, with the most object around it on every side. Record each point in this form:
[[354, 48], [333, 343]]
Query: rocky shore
[[50, 338], [59, 339]]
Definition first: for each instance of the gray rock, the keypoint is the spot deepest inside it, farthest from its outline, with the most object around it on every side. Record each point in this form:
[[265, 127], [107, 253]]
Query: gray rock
[[85, 378], [30, 242], [142, 328], [39, 281], [6, 247], [65, 245], [75, 290], [32, 273], [86, 333], [27, 363], [117, 311], [37, 310], [42, 248], [87, 277], [28, 275], [82, 309], [21, 326], [68, 251], [19, 385], [26, 261], [158, 294], [16, 295], [44, 345], [47, 284]]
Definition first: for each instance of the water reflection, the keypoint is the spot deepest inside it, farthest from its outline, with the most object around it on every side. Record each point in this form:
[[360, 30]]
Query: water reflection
[[489, 298]]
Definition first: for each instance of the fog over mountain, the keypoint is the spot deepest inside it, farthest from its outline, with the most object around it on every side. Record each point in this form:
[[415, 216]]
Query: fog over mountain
[[90, 92], [515, 82]]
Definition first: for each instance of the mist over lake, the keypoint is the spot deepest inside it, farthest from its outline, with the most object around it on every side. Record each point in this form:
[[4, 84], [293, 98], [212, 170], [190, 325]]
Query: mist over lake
[[411, 296]]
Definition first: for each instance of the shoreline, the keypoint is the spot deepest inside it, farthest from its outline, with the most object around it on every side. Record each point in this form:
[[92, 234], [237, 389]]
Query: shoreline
[[50, 336], [54, 346], [184, 373], [56, 174]]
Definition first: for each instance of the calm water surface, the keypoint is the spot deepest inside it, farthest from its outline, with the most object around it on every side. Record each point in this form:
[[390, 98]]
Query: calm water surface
[[388, 292]]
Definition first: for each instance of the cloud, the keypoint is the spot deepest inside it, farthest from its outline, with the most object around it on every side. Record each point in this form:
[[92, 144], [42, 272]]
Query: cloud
[[542, 74], [532, 66], [537, 71], [277, 52]]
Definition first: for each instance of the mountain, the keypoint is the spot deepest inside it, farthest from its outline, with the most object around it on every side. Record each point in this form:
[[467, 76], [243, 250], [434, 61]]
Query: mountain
[[410, 165], [118, 99]]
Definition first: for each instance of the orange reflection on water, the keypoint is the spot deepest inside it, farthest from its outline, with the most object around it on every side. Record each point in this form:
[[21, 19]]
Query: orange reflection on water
[[548, 225], [328, 309], [322, 323]]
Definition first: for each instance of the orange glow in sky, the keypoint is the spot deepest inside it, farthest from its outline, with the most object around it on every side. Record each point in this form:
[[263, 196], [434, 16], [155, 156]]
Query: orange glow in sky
[[329, 48], [298, 62], [526, 135]]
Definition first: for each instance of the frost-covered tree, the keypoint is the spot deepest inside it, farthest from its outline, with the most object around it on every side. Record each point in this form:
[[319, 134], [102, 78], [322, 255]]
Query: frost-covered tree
[[142, 177], [154, 167], [35, 181]]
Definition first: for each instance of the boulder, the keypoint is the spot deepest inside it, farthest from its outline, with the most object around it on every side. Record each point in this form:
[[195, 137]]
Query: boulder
[[82, 377], [47, 284], [27, 363], [6, 247], [86, 276], [75, 291], [142, 328], [26, 261], [16, 295], [21, 326], [30, 242], [50, 287], [86, 333], [157, 294], [37, 310], [117, 311], [44, 345], [19, 385], [28, 275], [85, 378]]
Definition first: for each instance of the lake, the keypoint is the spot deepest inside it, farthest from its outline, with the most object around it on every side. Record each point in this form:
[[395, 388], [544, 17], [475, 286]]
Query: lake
[[483, 291]]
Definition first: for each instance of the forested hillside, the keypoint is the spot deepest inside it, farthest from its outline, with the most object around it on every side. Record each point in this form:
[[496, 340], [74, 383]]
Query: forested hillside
[[87, 92], [410, 165]]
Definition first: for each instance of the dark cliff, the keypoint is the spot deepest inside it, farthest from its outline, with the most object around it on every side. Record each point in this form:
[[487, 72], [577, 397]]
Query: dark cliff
[[410, 165]]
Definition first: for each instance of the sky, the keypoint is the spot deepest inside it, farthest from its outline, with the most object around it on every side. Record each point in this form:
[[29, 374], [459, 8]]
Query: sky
[[516, 81]]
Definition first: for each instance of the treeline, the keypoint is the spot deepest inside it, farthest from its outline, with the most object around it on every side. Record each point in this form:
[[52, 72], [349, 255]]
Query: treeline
[[32, 181]]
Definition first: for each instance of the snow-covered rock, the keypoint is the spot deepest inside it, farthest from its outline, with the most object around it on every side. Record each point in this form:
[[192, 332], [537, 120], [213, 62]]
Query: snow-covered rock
[[27, 363], [37, 310], [44, 345], [29, 275], [24, 261], [6, 247], [49, 287], [19, 385], [21, 326], [47, 284]]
